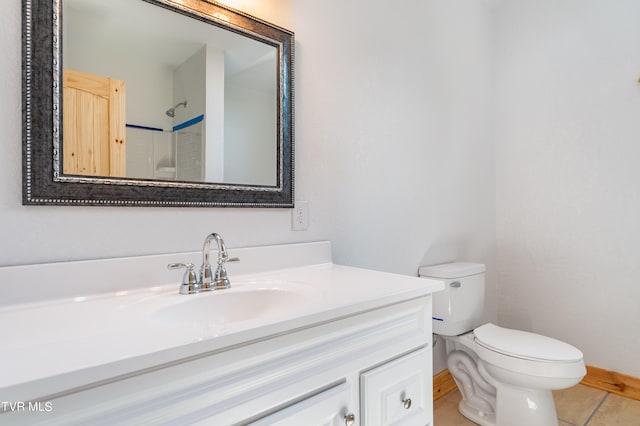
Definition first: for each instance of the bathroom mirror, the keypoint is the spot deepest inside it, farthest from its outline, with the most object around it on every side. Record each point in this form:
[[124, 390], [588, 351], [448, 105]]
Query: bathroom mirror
[[193, 99]]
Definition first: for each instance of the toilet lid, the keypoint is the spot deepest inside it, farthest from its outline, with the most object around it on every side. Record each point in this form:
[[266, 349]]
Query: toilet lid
[[521, 344]]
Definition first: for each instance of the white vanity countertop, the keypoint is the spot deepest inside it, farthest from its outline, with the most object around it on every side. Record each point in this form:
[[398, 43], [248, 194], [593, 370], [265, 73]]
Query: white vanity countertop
[[54, 345]]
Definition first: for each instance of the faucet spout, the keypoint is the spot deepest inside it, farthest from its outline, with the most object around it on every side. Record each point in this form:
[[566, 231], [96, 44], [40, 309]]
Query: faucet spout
[[207, 247], [219, 279]]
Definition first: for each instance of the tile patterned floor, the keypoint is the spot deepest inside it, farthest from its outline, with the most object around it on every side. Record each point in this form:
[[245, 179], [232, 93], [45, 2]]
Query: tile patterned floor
[[576, 406]]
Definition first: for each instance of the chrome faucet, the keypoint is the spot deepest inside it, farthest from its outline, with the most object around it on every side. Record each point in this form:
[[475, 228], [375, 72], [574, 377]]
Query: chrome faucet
[[220, 278], [205, 282]]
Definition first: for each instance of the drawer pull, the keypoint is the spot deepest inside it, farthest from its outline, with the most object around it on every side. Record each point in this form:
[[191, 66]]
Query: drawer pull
[[350, 419], [406, 403]]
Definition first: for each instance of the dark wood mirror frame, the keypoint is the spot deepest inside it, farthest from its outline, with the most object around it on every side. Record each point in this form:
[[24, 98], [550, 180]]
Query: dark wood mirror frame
[[43, 180]]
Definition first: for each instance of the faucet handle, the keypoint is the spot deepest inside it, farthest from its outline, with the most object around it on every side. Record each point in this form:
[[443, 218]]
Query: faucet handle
[[224, 258], [221, 278], [190, 283]]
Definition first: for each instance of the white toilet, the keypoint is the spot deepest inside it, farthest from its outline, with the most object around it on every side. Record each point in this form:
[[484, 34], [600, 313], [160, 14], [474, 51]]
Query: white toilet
[[505, 376]]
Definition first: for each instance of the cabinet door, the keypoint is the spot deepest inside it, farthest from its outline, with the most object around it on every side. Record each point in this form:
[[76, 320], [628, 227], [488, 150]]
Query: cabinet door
[[328, 408], [399, 392]]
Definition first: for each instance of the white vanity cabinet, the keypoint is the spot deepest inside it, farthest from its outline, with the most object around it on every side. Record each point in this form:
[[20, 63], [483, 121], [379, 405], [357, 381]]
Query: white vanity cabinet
[[362, 365], [296, 340]]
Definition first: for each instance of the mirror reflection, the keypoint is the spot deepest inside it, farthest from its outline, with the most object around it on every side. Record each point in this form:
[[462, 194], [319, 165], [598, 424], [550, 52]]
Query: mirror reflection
[[152, 94]]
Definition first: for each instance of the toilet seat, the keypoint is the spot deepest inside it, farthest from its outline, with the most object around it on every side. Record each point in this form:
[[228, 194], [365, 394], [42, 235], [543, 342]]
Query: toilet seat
[[500, 348], [525, 345]]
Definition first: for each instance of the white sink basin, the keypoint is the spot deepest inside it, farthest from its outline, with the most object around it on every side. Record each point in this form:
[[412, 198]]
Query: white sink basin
[[237, 304]]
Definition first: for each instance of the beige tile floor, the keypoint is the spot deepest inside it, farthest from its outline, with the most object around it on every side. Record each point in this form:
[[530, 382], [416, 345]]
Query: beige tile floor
[[576, 406]]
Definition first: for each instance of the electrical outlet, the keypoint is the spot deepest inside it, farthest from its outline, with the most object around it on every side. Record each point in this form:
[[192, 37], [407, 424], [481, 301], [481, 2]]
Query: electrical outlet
[[300, 216]]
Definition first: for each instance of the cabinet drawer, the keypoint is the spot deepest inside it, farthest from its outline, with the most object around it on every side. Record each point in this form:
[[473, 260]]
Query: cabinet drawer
[[398, 392], [328, 408]]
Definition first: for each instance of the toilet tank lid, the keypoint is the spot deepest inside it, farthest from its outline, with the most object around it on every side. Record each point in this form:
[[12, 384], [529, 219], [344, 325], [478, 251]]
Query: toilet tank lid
[[451, 270]]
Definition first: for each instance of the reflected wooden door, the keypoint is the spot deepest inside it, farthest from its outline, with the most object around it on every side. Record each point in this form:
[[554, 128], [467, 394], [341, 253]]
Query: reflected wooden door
[[93, 125]]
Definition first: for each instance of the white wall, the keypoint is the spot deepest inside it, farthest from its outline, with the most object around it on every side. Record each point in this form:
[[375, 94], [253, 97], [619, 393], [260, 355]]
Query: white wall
[[567, 145], [393, 147], [393, 127]]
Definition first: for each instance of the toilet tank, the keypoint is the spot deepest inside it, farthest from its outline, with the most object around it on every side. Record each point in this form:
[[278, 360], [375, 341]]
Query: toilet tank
[[458, 308]]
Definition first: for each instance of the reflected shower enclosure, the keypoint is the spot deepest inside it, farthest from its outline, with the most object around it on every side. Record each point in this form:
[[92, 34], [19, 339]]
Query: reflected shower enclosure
[[166, 155]]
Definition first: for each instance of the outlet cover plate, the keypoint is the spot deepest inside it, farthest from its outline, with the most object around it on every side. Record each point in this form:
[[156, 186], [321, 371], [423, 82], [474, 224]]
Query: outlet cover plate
[[300, 216]]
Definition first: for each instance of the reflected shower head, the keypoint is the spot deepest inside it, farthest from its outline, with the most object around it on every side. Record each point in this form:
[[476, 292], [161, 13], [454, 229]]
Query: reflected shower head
[[171, 112]]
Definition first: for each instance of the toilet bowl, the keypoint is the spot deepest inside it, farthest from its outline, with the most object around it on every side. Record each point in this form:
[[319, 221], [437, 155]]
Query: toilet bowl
[[505, 376]]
